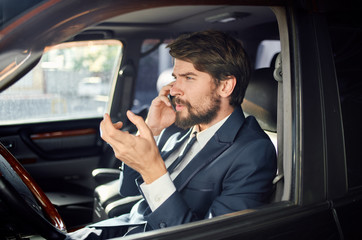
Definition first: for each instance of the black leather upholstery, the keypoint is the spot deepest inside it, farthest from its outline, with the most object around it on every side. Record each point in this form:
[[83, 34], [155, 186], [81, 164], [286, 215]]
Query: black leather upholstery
[[261, 98]]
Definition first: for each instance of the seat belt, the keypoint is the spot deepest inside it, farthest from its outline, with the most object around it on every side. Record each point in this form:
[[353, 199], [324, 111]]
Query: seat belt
[[278, 181]]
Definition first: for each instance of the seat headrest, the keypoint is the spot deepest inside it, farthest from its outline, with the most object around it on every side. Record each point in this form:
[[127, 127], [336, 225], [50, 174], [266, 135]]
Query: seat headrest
[[164, 78], [261, 98]]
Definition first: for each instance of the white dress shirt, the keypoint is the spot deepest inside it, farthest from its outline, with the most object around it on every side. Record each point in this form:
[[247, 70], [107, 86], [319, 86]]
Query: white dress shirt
[[161, 189]]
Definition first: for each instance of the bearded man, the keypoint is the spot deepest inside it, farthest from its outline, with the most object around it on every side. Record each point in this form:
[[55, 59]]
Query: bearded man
[[196, 156]]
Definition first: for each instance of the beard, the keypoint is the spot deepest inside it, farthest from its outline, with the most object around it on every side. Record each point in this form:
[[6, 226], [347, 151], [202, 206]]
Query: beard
[[197, 115]]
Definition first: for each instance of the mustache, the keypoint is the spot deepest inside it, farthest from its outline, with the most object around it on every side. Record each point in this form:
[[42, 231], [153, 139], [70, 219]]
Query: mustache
[[177, 100]]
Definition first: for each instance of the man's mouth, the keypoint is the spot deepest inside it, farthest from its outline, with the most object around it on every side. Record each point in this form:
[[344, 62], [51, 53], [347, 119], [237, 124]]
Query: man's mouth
[[179, 104], [179, 107]]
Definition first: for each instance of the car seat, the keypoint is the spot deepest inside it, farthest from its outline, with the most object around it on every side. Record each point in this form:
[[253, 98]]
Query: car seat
[[261, 101]]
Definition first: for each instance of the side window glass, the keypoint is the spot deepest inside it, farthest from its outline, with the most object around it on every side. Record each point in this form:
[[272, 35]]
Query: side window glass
[[84, 69], [154, 70], [346, 37]]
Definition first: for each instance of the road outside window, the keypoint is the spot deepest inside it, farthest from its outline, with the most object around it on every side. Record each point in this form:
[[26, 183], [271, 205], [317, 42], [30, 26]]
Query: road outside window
[[86, 71]]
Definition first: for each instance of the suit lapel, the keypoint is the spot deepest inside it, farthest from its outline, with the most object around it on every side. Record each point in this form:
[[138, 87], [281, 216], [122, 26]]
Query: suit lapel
[[221, 141], [202, 159]]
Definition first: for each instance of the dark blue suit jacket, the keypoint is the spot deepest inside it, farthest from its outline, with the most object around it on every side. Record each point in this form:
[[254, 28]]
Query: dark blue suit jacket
[[234, 171]]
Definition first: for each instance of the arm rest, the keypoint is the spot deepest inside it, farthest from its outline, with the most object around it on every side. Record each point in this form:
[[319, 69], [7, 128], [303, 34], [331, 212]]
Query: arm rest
[[104, 175], [121, 206]]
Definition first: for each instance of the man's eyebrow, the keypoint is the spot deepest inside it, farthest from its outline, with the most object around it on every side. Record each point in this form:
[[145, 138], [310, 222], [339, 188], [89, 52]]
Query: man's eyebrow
[[185, 74]]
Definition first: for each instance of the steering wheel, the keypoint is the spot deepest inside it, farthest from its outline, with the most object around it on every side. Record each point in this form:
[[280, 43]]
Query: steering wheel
[[19, 190]]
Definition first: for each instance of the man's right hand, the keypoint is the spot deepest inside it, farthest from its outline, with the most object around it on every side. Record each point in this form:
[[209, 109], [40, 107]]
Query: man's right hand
[[161, 114]]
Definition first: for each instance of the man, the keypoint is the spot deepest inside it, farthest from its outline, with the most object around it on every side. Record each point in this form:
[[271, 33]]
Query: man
[[229, 168]]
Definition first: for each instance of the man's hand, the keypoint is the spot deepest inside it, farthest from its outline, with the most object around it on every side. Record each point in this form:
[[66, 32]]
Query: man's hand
[[138, 152], [161, 114]]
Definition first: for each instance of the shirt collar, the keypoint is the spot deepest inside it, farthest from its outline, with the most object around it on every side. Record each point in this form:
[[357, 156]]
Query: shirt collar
[[204, 136]]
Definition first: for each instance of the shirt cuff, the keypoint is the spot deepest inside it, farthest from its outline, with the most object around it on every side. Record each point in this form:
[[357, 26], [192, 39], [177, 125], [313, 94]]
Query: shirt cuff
[[158, 191]]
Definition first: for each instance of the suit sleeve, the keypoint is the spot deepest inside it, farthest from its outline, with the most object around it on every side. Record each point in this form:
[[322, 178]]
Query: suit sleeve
[[246, 184], [128, 186]]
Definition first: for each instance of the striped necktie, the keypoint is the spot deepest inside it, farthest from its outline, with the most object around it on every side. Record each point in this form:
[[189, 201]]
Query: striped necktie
[[180, 157]]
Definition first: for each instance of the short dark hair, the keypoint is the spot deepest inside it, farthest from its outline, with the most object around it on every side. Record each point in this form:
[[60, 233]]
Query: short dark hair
[[217, 54]]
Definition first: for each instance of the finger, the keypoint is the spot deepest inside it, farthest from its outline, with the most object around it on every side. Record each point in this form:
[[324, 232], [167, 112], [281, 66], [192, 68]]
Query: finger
[[108, 122], [165, 100], [160, 100], [140, 124], [118, 125], [104, 126], [166, 89], [108, 129], [171, 83]]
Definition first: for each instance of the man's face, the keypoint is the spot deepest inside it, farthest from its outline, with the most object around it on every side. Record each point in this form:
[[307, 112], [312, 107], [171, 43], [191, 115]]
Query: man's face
[[195, 96]]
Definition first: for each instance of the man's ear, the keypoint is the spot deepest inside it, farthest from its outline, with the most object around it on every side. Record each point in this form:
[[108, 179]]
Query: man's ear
[[227, 86]]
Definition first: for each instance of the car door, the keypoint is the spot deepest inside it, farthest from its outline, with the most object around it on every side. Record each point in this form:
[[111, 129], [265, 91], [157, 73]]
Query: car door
[[53, 129]]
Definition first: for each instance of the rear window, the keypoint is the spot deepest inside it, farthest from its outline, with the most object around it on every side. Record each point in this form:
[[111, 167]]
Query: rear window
[[154, 71], [72, 81]]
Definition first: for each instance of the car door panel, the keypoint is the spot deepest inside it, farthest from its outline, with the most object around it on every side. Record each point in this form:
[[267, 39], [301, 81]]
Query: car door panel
[[60, 156], [281, 220], [68, 150], [62, 144]]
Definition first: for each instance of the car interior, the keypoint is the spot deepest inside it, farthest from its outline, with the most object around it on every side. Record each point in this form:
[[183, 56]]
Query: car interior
[[65, 155], [261, 96]]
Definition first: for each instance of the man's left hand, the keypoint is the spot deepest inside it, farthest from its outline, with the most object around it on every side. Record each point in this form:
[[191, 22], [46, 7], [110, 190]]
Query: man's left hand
[[138, 152]]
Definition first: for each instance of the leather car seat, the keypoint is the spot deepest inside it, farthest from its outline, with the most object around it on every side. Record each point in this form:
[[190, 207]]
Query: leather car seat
[[261, 101], [108, 202]]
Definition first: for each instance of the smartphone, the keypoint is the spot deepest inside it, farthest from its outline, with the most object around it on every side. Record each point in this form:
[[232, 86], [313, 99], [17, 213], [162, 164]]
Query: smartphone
[[170, 99]]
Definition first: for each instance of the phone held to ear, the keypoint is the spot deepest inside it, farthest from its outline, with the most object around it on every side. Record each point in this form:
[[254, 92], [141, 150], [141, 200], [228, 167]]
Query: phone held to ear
[[170, 99]]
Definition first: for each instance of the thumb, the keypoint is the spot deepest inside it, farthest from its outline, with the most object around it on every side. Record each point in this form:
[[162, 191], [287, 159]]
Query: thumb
[[142, 127]]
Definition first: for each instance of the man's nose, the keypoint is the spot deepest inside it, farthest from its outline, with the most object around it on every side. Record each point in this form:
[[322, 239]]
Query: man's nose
[[176, 89]]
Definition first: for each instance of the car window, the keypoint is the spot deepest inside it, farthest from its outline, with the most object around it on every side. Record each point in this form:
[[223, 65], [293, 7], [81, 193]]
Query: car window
[[154, 65], [71, 81], [346, 37]]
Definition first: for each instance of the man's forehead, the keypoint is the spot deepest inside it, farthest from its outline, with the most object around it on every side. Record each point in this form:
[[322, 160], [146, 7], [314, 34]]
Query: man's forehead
[[182, 67]]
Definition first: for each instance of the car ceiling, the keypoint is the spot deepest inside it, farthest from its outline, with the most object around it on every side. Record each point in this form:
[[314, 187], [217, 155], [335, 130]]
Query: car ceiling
[[25, 39], [178, 19]]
